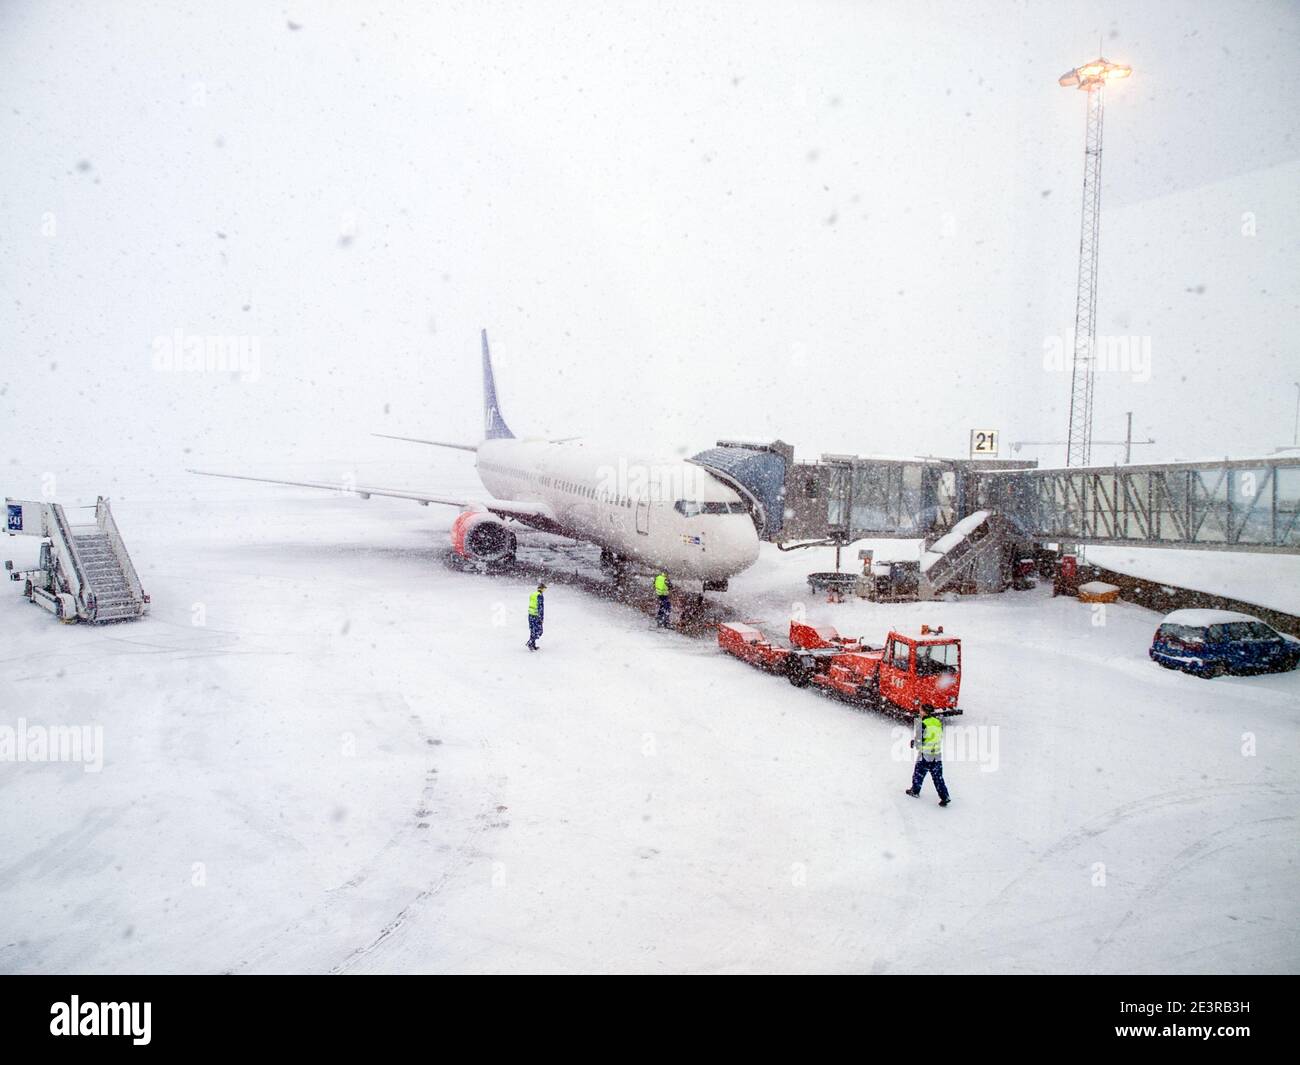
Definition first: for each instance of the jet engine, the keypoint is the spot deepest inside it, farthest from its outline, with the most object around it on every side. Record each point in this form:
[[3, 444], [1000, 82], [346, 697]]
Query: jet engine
[[481, 537]]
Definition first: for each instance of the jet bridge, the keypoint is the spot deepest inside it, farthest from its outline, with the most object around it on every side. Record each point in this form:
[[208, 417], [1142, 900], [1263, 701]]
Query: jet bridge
[[842, 498], [759, 472], [1230, 505]]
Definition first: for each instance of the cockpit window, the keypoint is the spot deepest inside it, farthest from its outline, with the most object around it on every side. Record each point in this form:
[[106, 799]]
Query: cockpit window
[[690, 509]]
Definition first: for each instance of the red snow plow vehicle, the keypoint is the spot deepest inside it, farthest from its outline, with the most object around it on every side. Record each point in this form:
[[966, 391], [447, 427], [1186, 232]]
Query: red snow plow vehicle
[[906, 675]]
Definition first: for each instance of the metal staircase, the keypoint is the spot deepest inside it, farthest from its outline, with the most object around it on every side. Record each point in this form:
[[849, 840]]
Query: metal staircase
[[85, 571], [111, 595], [969, 557]]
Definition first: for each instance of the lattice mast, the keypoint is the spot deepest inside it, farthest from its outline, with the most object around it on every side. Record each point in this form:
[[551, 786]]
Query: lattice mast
[[1091, 78]]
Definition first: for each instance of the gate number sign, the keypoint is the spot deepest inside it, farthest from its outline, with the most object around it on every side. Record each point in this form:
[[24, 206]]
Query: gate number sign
[[983, 442]]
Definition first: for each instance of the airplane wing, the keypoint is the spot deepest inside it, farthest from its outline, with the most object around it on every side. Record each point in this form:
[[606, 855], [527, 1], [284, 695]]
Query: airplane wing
[[506, 508], [421, 440]]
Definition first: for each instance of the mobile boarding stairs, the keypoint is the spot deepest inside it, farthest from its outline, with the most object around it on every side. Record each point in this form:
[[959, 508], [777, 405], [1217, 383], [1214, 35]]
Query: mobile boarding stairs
[[85, 573]]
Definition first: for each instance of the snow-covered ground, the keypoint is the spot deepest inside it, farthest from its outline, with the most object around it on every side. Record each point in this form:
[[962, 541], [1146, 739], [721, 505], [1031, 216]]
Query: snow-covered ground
[[1263, 579], [326, 750]]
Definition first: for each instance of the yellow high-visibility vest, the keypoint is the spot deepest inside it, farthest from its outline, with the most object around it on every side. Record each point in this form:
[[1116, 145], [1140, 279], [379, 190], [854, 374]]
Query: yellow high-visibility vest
[[931, 735], [661, 584], [532, 603]]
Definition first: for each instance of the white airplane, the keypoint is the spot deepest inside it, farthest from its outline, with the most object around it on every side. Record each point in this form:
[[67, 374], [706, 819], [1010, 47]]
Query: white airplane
[[664, 513]]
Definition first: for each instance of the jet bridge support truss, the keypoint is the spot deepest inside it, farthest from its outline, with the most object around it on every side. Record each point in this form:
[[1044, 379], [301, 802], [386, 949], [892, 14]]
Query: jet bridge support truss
[[1251, 505]]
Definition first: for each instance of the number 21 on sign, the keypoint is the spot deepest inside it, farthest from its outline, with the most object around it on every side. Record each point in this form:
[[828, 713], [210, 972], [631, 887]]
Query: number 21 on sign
[[983, 442]]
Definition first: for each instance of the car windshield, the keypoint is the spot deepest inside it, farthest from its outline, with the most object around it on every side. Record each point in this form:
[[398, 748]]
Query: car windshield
[[936, 658]]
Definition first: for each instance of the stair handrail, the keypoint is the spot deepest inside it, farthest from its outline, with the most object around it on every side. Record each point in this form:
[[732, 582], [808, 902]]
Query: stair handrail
[[65, 547], [108, 526]]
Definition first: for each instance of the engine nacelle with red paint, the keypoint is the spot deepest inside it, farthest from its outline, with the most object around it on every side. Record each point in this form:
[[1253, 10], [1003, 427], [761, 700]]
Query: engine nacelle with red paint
[[481, 537]]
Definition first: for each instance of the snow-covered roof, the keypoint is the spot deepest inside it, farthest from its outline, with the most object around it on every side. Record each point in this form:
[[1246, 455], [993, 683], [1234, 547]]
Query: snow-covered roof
[[1269, 581], [1200, 618], [923, 459], [1277, 458]]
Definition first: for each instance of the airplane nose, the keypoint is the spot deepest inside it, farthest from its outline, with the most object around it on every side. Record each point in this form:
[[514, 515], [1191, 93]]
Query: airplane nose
[[745, 542], [732, 546]]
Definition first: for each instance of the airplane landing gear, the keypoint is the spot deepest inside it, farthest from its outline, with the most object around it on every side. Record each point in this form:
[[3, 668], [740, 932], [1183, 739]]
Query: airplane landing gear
[[613, 565]]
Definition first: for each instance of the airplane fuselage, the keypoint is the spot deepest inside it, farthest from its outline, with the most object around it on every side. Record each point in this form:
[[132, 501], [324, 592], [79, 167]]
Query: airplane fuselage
[[663, 513]]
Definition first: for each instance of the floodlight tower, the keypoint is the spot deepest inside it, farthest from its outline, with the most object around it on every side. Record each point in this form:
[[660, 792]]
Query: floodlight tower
[[1090, 78]]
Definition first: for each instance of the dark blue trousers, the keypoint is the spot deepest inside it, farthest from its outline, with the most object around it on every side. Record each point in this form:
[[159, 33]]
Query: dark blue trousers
[[665, 611], [534, 629], [935, 769]]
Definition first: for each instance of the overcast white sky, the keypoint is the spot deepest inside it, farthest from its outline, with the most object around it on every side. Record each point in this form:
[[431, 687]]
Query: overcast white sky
[[851, 225]]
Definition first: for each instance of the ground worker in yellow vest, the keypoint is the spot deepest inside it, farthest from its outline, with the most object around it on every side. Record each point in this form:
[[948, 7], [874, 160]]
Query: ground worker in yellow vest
[[536, 611], [662, 590], [927, 738]]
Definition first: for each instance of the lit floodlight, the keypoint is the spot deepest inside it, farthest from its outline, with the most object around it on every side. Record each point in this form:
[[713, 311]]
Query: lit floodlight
[[1095, 74]]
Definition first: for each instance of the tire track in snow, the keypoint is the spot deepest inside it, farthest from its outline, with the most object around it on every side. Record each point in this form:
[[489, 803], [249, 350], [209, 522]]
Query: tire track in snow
[[1189, 856], [392, 703], [1112, 818], [467, 852]]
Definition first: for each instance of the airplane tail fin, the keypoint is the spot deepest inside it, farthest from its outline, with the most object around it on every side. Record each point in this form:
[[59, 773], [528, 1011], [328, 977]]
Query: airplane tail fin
[[494, 426]]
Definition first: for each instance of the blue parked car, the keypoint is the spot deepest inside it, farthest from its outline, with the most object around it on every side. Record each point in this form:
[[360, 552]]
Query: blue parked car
[[1209, 643]]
